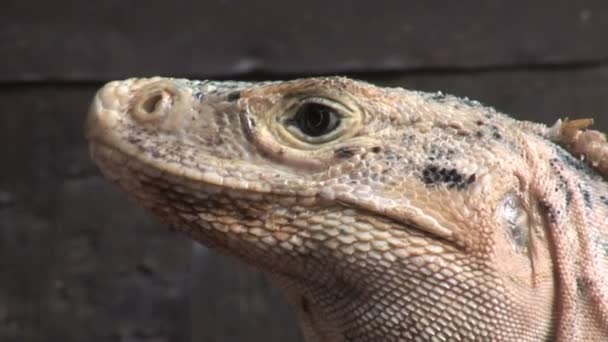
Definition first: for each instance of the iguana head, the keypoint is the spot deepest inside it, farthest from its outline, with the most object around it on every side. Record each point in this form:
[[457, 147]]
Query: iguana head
[[387, 214]]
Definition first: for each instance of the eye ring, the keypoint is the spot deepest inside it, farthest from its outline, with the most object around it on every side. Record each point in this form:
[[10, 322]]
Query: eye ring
[[310, 122], [316, 119]]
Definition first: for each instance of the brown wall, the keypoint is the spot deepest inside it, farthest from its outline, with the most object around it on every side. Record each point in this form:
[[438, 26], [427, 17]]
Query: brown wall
[[80, 263]]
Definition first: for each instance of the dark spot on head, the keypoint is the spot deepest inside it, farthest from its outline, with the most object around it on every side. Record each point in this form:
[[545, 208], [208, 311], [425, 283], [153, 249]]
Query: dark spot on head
[[376, 149], [471, 179], [479, 123], [581, 286], [435, 152], [134, 140], [345, 152], [390, 155], [434, 175], [408, 138], [549, 211], [571, 161], [496, 132], [586, 196], [569, 195], [558, 169], [233, 96], [604, 199]]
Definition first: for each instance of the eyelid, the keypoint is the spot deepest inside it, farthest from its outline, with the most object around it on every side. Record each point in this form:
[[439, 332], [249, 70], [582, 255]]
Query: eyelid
[[341, 109]]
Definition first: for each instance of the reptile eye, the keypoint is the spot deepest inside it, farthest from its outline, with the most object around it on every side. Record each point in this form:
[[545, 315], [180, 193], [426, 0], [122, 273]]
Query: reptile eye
[[315, 119]]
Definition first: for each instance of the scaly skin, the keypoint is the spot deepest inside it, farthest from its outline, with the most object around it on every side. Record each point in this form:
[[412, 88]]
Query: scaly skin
[[385, 214]]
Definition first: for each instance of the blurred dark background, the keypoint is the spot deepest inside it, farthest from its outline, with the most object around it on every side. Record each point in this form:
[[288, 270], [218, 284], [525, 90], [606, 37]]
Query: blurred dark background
[[78, 262]]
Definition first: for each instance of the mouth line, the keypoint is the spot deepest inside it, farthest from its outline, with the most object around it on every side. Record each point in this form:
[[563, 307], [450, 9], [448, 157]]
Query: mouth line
[[116, 164], [114, 160]]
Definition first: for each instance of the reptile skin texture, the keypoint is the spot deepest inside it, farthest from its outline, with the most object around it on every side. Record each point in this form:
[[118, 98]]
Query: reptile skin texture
[[385, 214]]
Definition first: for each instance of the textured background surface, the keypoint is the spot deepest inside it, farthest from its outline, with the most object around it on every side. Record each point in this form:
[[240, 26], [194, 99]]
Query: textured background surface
[[78, 262]]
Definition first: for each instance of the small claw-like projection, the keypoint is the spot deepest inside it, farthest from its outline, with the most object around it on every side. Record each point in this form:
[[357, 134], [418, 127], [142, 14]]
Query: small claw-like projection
[[589, 144], [570, 129]]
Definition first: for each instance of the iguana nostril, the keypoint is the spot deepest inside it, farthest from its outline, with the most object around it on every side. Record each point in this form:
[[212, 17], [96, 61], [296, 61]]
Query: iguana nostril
[[152, 103]]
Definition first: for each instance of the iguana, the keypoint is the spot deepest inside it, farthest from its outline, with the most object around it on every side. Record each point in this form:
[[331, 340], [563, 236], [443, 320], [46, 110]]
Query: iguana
[[385, 214]]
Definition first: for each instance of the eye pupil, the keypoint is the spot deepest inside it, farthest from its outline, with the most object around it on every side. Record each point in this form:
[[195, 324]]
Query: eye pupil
[[315, 119]]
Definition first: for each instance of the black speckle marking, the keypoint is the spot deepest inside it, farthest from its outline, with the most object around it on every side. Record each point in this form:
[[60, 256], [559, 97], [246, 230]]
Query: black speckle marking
[[233, 96], [496, 132], [345, 152], [376, 149], [569, 195], [569, 160], [432, 175], [549, 211], [390, 155], [586, 196], [581, 285], [199, 95], [604, 200], [479, 123], [438, 153], [562, 185], [134, 140], [408, 138]]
